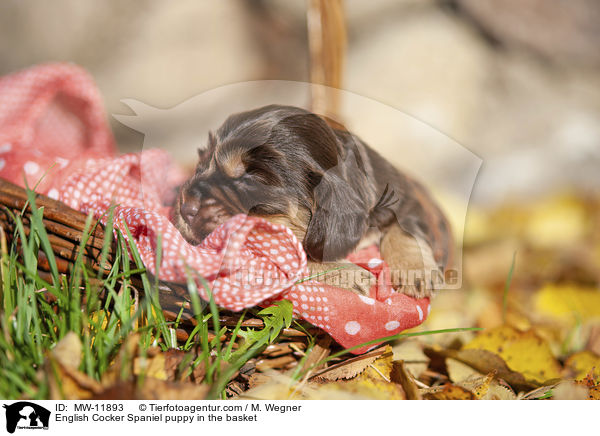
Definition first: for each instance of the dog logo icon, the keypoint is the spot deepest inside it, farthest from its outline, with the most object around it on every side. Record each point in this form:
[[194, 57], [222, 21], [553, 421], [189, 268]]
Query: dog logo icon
[[26, 415]]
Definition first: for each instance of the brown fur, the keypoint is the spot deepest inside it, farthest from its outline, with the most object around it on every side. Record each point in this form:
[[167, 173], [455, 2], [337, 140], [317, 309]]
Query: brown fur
[[335, 193]]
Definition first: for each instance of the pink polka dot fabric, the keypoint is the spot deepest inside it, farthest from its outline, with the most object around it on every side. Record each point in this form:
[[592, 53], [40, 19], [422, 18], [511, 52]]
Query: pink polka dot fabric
[[52, 124]]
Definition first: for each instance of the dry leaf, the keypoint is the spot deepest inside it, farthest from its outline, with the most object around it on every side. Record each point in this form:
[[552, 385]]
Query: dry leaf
[[451, 392], [373, 383], [556, 222], [523, 352], [402, 376], [65, 381], [258, 379], [485, 362], [349, 368], [151, 365], [583, 363], [569, 390], [485, 387], [153, 389], [68, 350], [568, 302], [592, 382], [538, 393], [411, 352], [319, 352]]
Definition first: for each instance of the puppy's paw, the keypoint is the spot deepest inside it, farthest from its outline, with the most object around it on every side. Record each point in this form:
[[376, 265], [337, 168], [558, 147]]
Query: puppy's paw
[[420, 289], [413, 269], [343, 275]]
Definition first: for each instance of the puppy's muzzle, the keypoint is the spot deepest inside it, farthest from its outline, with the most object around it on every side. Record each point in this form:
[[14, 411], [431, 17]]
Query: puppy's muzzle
[[189, 208], [198, 216]]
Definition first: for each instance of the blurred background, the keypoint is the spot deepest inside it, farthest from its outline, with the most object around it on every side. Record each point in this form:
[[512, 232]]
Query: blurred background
[[516, 82]]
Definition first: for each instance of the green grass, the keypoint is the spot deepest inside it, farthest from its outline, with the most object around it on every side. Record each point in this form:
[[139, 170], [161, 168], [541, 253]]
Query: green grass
[[31, 323]]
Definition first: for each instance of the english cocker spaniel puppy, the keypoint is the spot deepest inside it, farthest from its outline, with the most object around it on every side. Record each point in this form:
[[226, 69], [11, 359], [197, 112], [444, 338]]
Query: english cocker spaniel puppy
[[331, 189]]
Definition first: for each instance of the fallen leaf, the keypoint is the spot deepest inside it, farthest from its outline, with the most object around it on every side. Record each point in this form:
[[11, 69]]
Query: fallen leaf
[[411, 352], [150, 365], [568, 302], [557, 221], [65, 381], [319, 352], [152, 389], [592, 382], [404, 378], [485, 362], [583, 363], [541, 393], [485, 387], [569, 390], [349, 368], [374, 382], [451, 392], [523, 352], [68, 350]]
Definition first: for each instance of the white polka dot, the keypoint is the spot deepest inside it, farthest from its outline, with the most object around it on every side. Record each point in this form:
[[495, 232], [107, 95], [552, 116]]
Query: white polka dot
[[420, 313], [31, 168], [367, 300], [62, 162], [2, 163], [6, 147], [352, 327], [392, 325], [53, 193], [374, 263]]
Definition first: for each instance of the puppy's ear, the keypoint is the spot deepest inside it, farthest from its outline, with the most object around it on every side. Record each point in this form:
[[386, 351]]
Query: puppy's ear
[[339, 215]]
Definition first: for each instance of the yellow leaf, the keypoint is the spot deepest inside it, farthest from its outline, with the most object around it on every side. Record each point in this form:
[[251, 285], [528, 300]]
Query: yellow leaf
[[567, 302], [61, 367], [411, 351], [374, 382], [484, 387], [582, 363], [524, 352], [152, 365], [557, 221], [451, 392]]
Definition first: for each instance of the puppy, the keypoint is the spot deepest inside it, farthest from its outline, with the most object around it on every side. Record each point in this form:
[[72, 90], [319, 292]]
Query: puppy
[[334, 192]]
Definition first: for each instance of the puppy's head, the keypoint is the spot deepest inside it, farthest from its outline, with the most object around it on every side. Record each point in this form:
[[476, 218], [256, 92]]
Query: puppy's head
[[282, 163]]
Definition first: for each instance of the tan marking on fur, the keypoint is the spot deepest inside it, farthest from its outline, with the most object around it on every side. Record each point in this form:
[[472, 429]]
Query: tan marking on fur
[[232, 165], [372, 236], [414, 271], [297, 222]]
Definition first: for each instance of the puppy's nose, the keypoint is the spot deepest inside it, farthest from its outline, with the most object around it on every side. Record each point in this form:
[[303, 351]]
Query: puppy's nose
[[189, 209]]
